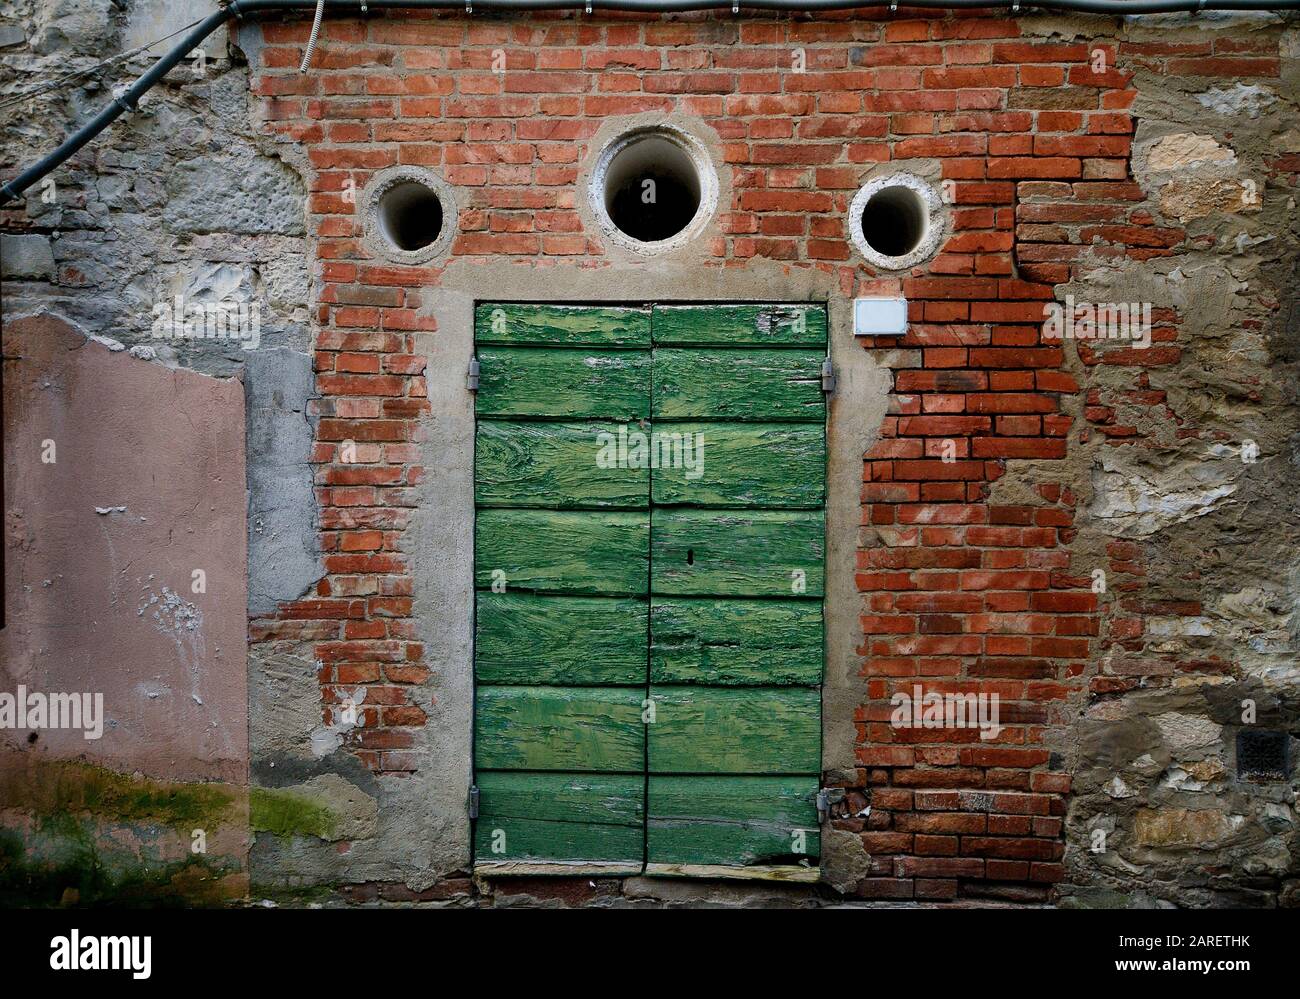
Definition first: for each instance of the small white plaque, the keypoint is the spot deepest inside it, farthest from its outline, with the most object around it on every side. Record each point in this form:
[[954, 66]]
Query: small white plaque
[[879, 316]]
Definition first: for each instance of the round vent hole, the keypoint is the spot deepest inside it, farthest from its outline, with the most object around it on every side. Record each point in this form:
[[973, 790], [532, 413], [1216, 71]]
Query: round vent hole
[[894, 221], [652, 189], [410, 215]]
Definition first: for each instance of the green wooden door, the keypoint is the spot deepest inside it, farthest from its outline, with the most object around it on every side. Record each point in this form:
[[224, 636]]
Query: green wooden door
[[650, 485]]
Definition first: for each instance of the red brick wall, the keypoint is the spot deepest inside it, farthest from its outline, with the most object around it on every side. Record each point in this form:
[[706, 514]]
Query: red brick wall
[[959, 593]]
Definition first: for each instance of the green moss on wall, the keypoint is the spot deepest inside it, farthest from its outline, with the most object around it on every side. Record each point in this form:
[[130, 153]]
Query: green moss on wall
[[62, 787], [284, 813], [73, 871], [86, 835]]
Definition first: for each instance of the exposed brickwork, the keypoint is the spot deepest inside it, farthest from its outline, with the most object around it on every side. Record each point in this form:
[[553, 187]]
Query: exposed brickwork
[[960, 592]]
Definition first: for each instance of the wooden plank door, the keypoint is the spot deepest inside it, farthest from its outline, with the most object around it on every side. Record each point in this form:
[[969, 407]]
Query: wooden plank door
[[691, 583], [562, 547], [737, 555]]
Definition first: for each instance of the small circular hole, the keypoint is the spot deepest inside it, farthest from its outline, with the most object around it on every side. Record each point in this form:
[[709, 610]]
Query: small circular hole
[[894, 221], [410, 215], [652, 189]]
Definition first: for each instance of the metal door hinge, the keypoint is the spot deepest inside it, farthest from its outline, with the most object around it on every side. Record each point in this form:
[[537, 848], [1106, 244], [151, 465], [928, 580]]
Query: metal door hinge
[[828, 376], [827, 797], [472, 378], [473, 801]]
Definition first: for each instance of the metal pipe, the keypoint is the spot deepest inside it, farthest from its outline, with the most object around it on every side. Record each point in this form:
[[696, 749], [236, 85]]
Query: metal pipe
[[239, 8]]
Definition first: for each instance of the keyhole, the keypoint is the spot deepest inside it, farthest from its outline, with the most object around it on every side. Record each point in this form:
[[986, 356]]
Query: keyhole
[[690, 556]]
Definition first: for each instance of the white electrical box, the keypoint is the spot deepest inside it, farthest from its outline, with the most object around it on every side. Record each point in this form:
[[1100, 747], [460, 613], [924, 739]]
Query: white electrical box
[[879, 316]]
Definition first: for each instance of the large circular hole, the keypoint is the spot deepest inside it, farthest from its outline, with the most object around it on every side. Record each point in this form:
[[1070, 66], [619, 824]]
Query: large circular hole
[[897, 221], [410, 215], [652, 188], [894, 221]]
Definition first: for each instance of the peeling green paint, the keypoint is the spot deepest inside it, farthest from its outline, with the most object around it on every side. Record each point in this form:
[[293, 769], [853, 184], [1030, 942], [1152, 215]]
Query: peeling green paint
[[285, 813]]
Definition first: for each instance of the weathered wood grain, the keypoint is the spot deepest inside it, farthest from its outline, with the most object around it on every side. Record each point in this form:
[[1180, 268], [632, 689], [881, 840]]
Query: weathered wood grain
[[744, 465], [733, 821], [530, 840], [571, 384], [537, 817], [553, 551], [610, 799], [721, 325], [564, 653], [739, 730], [561, 869], [558, 325], [788, 873], [559, 728], [736, 642], [749, 383], [523, 638], [553, 465], [756, 553]]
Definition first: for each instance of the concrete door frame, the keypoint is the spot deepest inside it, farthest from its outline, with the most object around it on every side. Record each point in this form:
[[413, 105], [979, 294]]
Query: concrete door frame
[[443, 522]]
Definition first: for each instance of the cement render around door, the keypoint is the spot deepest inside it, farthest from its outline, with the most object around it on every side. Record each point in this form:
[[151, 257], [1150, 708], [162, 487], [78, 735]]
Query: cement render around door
[[444, 519]]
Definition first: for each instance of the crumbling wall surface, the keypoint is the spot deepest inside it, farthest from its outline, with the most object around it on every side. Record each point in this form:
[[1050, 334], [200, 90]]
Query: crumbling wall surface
[[179, 214], [1184, 754], [178, 232], [125, 587], [1023, 487], [1100, 534], [177, 199]]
